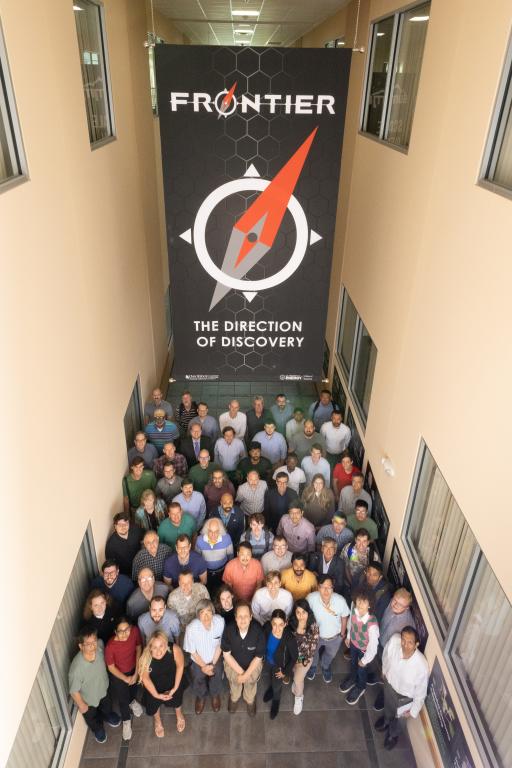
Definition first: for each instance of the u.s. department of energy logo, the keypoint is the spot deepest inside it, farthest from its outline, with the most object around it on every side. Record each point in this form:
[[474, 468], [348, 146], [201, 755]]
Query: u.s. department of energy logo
[[254, 233]]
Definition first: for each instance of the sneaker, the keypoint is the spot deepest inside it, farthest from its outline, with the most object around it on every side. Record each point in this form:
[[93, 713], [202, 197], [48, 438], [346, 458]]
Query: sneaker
[[127, 730], [354, 695], [136, 708], [274, 709], [378, 704], [297, 707], [372, 680], [311, 673], [113, 720], [346, 684], [327, 675], [346, 654], [268, 695], [100, 736], [380, 724]]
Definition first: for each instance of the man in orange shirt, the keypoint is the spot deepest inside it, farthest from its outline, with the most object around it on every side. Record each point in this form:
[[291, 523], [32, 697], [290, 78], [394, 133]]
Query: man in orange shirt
[[244, 573]]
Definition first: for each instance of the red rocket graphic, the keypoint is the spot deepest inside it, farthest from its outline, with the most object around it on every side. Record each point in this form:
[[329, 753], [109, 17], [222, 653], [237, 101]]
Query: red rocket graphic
[[226, 101]]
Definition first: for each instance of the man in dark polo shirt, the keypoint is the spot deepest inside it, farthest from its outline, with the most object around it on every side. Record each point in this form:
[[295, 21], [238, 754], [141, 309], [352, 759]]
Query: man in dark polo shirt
[[277, 501], [124, 543], [254, 461], [184, 559], [243, 645], [113, 583]]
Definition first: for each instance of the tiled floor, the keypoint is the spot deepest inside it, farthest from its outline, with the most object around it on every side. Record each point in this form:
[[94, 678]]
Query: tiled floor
[[329, 733]]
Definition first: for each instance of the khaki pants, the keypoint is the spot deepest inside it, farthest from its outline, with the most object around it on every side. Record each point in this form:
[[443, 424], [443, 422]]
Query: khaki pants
[[248, 688], [299, 673]]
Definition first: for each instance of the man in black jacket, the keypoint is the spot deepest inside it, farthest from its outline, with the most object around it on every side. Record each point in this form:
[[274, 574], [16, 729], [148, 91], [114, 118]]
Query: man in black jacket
[[191, 445], [327, 562]]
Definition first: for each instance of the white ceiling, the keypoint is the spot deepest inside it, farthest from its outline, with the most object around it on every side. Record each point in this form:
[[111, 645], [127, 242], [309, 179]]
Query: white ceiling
[[279, 22]]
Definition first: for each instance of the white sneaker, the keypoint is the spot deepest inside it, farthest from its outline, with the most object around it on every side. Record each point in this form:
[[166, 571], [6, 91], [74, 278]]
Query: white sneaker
[[297, 707], [127, 730], [136, 708]]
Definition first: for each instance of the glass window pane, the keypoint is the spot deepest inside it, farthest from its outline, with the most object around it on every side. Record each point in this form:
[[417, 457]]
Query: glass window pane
[[441, 538], [503, 172], [346, 333], [40, 727], [364, 367], [10, 162], [407, 68], [92, 60], [383, 34], [482, 655]]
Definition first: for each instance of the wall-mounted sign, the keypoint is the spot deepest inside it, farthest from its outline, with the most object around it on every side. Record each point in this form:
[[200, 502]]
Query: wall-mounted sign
[[251, 149], [445, 723]]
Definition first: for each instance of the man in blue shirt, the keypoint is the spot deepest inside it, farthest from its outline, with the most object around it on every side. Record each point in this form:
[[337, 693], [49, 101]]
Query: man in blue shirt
[[184, 559], [161, 431], [113, 583], [320, 411]]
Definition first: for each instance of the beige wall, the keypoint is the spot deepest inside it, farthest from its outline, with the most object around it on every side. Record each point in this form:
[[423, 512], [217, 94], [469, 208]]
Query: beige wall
[[424, 254], [80, 262]]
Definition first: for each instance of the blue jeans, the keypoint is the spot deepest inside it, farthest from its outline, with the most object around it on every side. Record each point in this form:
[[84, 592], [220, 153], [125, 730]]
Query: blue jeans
[[358, 674], [330, 647]]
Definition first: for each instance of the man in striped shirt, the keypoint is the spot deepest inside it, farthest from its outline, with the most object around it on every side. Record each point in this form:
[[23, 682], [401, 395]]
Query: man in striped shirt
[[161, 431], [216, 546]]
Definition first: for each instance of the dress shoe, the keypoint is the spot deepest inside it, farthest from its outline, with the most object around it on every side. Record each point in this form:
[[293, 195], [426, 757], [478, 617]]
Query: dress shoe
[[274, 709], [216, 703], [232, 705], [380, 724], [199, 705], [251, 708], [390, 742], [267, 696]]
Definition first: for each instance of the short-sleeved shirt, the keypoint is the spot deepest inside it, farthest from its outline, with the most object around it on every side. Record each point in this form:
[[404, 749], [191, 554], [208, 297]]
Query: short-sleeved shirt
[[135, 488], [244, 649], [244, 581], [144, 560], [343, 478], [89, 678], [369, 525], [185, 607], [169, 623], [263, 468], [172, 566], [168, 532], [122, 653], [200, 476], [150, 408], [204, 641], [194, 506], [299, 589], [148, 455], [159, 436], [329, 621], [138, 602], [124, 550]]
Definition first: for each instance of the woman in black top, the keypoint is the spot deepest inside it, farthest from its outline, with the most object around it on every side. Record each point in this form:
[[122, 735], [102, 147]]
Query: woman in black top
[[161, 673], [224, 603], [281, 656], [101, 612]]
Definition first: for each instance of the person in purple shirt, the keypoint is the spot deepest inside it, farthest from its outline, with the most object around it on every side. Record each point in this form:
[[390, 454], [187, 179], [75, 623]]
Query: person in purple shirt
[[298, 532], [184, 559]]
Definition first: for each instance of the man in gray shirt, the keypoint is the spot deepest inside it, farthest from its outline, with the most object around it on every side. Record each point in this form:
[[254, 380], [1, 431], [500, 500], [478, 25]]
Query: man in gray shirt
[[278, 558], [156, 402], [141, 448], [250, 495], [208, 424], [351, 493], [159, 617], [397, 615], [302, 442], [169, 485]]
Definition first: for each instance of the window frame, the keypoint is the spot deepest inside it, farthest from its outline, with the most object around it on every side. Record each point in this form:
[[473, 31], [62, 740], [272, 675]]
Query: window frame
[[494, 141], [11, 121], [360, 326], [108, 95], [398, 19], [339, 336], [447, 637]]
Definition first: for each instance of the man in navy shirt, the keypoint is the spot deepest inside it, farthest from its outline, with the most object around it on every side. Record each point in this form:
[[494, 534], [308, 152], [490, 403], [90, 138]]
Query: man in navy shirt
[[184, 559], [113, 583]]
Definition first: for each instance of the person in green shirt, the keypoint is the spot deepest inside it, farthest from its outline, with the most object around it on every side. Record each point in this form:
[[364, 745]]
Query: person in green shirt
[[177, 522], [200, 473], [360, 519], [135, 483]]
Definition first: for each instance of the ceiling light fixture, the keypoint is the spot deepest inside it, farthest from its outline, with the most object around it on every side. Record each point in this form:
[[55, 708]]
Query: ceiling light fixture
[[419, 18], [380, 34], [77, 8], [245, 13], [243, 31]]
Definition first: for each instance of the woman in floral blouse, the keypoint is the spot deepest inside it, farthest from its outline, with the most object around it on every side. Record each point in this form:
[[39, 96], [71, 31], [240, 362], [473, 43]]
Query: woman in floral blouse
[[305, 630]]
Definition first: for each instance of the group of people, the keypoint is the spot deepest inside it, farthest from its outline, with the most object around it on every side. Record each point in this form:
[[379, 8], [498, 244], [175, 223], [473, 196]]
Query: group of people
[[245, 549]]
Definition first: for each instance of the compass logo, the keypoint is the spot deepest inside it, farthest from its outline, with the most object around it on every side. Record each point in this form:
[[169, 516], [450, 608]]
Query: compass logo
[[254, 233]]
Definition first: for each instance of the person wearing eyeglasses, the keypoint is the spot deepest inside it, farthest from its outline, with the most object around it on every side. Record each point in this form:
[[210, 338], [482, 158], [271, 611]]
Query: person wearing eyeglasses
[[122, 655]]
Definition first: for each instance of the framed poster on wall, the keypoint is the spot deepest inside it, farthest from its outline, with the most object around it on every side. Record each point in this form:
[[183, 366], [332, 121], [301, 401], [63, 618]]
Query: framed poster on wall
[[445, 723], [379, 513], [398, 576], [326, 360]]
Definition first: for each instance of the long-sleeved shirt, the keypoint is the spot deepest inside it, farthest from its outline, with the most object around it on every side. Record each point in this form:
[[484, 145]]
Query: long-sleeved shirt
[[195, 506], [348, 498], [394, 622], [273, 447], [336, 438], [216, 555], [251, 500], [408, 677], [228, 456], [281, 416], [320, 413], [300, 537], [311, 469], [342, 538], [159, 436], [263, 603], [239, 423]]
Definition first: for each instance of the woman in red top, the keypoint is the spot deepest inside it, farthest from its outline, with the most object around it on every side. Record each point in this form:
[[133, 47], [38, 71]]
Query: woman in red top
[[342, 473], [122, 657]]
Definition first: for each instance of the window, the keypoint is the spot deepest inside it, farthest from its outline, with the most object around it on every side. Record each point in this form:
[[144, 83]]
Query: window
[[168, 314], [93, 61], [133, 415], [498, 157], [363, 369], [151, 42], [469, 609], [395, 55], [45, 728], [357, 355], [346, 333], [12, 159]]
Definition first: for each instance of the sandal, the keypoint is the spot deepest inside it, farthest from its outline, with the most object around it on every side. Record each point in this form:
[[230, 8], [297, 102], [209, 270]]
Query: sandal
[[159, 730], [180, 724]]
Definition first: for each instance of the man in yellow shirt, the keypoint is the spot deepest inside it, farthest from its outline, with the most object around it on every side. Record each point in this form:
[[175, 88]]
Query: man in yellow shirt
[[297, 579]]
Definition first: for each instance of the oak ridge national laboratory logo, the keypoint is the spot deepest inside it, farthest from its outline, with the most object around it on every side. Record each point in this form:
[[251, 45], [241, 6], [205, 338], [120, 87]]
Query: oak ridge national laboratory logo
[[254, 233]]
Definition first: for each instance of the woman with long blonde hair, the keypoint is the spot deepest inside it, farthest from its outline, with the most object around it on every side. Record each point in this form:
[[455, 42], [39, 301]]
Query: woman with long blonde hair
[[161, 668]]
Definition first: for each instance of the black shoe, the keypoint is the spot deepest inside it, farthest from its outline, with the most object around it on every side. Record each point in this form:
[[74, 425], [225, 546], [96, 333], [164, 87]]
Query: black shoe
[[380, 724], [267, 696], [347, 684], [390, 742], [378, 704], [274, 709]]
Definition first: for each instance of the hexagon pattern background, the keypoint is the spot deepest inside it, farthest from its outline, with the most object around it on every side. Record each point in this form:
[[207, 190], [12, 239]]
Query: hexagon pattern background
[[201, 151]]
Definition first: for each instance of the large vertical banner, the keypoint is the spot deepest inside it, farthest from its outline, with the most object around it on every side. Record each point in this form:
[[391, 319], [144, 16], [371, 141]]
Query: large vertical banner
[[251, 150]]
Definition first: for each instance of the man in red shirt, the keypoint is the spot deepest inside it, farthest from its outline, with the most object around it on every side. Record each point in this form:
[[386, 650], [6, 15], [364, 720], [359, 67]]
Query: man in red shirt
[[244, 573], [342, 474]]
